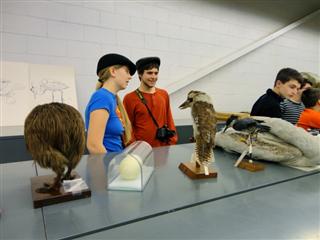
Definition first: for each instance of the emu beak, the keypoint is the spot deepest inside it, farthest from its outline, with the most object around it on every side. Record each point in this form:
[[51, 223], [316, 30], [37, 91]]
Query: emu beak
[[185, 104]]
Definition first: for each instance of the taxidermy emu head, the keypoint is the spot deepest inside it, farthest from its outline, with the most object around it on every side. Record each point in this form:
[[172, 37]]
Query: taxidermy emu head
[[204, 125], [55, 137]]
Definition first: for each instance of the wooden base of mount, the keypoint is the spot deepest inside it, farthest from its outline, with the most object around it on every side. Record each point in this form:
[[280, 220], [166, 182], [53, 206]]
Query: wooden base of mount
[[251, 166], [196, 172], [45, 199]]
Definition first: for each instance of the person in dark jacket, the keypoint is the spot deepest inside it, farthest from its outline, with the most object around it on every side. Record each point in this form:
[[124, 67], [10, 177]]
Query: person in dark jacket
[[286, 85]]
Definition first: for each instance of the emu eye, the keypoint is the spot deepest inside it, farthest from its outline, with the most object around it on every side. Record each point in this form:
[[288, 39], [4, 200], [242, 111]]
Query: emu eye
[[190, 99]]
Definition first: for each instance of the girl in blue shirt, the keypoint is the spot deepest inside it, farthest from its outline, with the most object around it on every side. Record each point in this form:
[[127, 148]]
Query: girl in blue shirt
[[107, 123]]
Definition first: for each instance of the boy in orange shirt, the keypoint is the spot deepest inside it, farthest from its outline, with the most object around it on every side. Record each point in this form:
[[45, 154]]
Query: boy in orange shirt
[[310, 117]]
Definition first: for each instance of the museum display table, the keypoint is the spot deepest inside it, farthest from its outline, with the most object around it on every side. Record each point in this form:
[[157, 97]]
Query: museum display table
[[18, 219], [168, 190], [289, 210], [169, 193]]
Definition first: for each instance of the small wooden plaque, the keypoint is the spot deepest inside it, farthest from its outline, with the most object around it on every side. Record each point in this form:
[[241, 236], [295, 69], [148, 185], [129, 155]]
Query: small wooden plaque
[[251, 166], [45, 199], [194, 172]]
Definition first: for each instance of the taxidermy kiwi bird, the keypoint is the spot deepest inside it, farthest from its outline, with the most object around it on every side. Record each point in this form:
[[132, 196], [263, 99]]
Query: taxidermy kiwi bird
[[204, 127], [55, 137]]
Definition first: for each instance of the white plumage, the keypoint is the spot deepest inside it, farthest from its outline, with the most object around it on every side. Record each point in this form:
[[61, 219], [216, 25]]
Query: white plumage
[[286, 144]]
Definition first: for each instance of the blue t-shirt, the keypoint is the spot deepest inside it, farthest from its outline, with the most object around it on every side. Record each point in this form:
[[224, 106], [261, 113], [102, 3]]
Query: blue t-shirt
[[104, 99]]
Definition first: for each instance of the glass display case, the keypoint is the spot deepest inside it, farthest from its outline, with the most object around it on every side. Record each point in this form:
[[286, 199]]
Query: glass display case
[[131, 169]]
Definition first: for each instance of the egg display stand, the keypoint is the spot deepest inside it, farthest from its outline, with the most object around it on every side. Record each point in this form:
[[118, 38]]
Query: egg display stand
[[54, 197]]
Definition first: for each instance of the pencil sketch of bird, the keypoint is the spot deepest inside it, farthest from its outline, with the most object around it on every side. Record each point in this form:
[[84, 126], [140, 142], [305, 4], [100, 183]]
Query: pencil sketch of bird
[[55, 137], [52, 86], [204, 126]]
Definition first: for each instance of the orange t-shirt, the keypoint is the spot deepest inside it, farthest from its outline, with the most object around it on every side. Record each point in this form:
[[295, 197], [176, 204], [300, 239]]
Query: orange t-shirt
[[309, 118], [143, 126]]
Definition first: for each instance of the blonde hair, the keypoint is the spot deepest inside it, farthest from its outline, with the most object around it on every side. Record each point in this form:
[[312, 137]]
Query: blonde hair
[[104, 75], [127, 124]]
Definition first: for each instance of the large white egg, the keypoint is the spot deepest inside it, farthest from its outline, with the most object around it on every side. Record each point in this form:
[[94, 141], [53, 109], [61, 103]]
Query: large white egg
[[129, 168]]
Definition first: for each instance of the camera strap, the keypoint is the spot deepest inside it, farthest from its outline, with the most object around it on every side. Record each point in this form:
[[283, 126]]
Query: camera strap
[[144, 101]]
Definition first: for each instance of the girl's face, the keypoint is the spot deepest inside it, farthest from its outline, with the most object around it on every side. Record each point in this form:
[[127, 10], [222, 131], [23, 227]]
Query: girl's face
[[122, 76]]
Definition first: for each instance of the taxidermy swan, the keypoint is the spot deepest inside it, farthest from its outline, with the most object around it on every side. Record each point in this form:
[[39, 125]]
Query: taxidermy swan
[[285, 143]]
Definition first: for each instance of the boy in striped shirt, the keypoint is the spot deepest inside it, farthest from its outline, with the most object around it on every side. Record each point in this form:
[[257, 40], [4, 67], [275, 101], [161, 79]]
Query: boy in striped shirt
[[293, 107]]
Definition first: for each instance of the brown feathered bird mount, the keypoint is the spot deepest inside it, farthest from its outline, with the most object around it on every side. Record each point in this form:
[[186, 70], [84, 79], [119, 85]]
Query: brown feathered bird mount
[[55, 136], [204, 127]]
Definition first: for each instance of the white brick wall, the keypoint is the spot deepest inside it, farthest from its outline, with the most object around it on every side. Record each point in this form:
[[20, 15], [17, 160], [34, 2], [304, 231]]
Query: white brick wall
[[46, 10], [62, 30], [102, 6], [142, 26], [100, 35], [82, 50], [187, 35], [83, 15], [239, 84], [115, 21], [39, 9], [155, 13], [14, 43], [129, 8], [130, 39], [46, 46], [23, 25]]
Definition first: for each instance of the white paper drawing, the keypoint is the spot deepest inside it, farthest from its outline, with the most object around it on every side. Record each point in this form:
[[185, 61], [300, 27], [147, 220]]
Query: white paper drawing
[[50, 85], [24, 86], [8, 91]]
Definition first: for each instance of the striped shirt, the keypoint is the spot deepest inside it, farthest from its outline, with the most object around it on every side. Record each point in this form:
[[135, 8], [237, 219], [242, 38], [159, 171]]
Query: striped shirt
[[290, 111]]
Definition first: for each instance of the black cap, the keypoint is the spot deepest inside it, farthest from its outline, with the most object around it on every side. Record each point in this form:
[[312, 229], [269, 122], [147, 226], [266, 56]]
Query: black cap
[[147, 60], [112, 59]]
